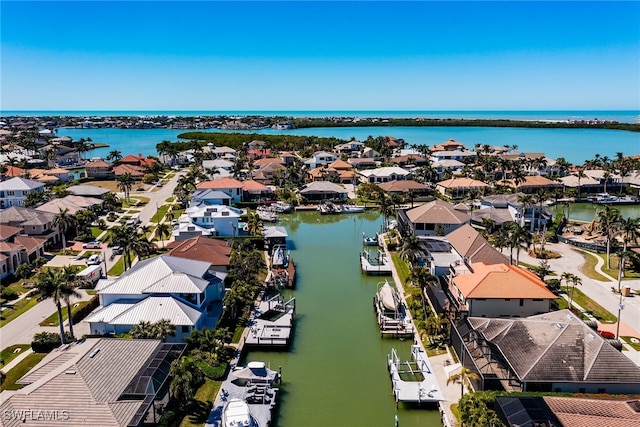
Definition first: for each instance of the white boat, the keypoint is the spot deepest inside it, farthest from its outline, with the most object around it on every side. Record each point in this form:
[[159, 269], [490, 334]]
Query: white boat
[[267, 214], [352, 209], [388, 297], [236, 413], [369, 241], [329, 208], [281, 207]]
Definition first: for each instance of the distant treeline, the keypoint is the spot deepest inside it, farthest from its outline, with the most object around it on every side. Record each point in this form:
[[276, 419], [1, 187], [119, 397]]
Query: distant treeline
[[334, 122], [236, 140]]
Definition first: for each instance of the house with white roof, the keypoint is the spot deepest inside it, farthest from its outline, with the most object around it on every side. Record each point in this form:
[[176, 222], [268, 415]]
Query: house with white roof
[[14, 191], [165, 287], [208, 196], [213, 220], [222, 167], [383, 174], [320, 158], [459, 155]]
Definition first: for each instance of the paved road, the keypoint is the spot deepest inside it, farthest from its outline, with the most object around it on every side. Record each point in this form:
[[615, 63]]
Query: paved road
[[22, 329], [594, 289]]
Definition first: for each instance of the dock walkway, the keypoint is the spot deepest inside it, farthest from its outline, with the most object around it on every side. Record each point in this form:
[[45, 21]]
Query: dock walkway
[[422, 385], [271, 324], [379, 265]]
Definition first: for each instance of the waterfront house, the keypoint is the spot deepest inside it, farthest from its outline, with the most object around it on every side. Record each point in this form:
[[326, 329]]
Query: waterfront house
[[383, 174], [209, 196], [503, 208], [254, 190], [75, 385], [436, 218], [218, 220], [98, 169], [497, 290], [458, 188], [229, 185], [349, 147], [550, 352], [164, 287], [583, 185], [323, 173], [14, 191], [407, 188], [214, 251], [322, 190], [472, 247]]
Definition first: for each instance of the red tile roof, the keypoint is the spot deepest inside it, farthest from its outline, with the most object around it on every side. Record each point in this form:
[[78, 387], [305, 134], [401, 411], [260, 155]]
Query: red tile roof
[[501, 281], [214, 251], [225, 182]]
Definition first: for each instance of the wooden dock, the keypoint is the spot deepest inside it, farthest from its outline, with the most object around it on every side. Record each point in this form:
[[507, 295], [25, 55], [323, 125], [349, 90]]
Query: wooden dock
[[413, 381]]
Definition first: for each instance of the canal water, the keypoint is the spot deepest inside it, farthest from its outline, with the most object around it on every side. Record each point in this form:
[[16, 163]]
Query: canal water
[[588, 212], [335, 372]]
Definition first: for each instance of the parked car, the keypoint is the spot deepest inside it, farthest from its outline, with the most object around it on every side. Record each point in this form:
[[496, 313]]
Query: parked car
[[117, 250], [93, 260], [92, 245], [159, 184]]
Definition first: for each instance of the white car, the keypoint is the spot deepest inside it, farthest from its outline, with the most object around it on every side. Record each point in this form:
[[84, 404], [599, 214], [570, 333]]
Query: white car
[[93, 260]]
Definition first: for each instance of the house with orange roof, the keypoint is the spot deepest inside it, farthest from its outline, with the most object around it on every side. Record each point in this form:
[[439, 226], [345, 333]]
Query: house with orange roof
[[253, 190], [269, 173], [133, 170], [498, 290], [98, 169], [216, 252], [409, 160], [138, 160], [405, 187], [267, 160], [288, 158], [12, 171], [229, 185], [450, 145], [458, 188]]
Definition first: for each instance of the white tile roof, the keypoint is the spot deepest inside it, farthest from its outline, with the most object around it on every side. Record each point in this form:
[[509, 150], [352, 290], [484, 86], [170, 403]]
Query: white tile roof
[[19, 183]]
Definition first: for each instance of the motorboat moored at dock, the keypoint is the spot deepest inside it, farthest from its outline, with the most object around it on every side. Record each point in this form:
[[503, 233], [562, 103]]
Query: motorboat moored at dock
[[391, 312], [369, 241], [352, 208], [236, 413]]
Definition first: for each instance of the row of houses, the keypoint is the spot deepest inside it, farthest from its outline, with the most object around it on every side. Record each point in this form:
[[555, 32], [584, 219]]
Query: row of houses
[[504, 327]]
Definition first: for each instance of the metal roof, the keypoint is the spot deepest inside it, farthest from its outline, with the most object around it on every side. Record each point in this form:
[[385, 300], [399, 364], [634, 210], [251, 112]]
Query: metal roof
[[155, 308]]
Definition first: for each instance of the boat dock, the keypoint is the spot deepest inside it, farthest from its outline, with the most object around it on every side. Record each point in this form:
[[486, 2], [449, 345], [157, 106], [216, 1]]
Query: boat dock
[[282, 269], [375, 265], [413, 381], [391, 312], [272, 323], [247, 385]]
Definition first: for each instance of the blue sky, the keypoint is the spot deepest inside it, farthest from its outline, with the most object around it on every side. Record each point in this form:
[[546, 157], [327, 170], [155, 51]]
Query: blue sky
[[296, 55]]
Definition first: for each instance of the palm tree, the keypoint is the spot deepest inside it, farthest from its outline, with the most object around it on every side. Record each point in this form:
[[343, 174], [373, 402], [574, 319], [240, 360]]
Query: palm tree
[[50, 283], [142, 330], [68, 291], [64, 221], [163, 328], [254, 224], [411, 246], [163, 230], [527, 201], [630, 230], [124, 237], [464, 376], [518, 238], [125, 183], [186, 378], [386, 208], [573, 281], [114, 156], [610, 220]]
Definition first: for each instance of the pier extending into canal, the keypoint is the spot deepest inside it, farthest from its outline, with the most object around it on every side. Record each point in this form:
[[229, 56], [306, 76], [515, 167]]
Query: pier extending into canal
[[413, 381], [375, 265], [271, 322]]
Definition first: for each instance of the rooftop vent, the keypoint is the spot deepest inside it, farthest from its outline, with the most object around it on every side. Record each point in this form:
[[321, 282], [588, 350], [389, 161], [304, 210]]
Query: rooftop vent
[[70, 372], [558, 325], [93, 353]]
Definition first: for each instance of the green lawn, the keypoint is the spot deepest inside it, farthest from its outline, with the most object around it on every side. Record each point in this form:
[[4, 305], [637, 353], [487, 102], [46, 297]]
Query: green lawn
[[9, 353], [613, 271], [598, 311], [118, 268], [8, 314], [20, 370], [53, 319], [169, 199], [635, 345], [95, 232], [162, 210], [204, 398], [559, 304], [589, 266], [401, 267]]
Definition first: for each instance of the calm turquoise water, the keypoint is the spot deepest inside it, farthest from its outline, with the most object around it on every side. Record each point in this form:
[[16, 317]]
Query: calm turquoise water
[[335, 373], [588, 211], [576, 145]]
